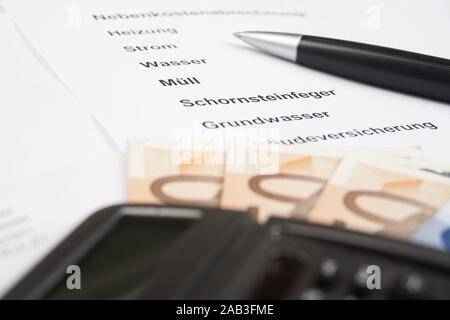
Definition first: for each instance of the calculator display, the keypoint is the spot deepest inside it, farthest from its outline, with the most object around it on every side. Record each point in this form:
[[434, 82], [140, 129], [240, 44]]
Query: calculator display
[[121, 263]]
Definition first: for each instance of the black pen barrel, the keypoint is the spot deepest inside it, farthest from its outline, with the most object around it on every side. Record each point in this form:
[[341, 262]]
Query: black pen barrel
[[400, 70]]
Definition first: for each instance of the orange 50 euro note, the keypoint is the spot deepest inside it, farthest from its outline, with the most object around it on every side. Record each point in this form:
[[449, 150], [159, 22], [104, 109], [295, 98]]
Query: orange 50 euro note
[[161, 172], [289, 180], [380, 197]]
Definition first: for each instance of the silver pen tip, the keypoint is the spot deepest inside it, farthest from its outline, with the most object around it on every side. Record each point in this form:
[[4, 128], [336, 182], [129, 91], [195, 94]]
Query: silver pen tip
[[238, 35]]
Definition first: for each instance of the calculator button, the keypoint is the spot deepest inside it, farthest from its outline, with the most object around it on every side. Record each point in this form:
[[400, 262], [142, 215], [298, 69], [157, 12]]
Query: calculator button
[[360, 278], [313, 294], [328, 270], [411, 286]]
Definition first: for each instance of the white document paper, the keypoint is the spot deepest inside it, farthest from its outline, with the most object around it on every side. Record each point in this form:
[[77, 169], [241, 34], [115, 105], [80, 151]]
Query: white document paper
[[56, 167], [160, 68]]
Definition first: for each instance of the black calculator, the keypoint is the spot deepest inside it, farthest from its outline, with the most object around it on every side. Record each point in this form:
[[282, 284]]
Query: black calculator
[[176, 252]]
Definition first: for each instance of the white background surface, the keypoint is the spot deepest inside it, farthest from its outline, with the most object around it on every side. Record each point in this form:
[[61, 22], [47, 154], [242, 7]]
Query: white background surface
[[128, 100], [56, 166]]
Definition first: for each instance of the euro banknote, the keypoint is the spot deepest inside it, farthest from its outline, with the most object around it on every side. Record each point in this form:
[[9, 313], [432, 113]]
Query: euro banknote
[[380, 197], [435, 232], [298, 178], [162, 172]]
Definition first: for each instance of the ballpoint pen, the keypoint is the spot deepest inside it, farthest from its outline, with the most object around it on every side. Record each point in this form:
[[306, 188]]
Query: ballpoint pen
[[405, 71]]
